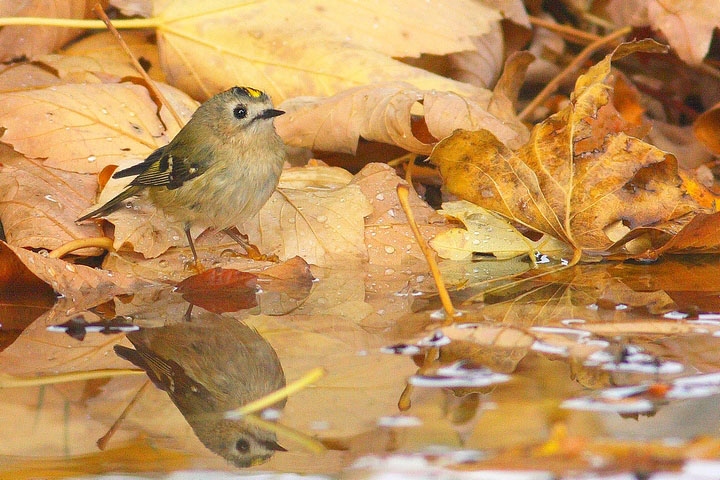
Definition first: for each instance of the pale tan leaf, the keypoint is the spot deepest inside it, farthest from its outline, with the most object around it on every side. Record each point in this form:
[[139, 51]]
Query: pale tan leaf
[[27, 41], [382, 113], [485, 232], [105, 50], [320, 225], [388, 236], [316, 47], [688, 25], [84, 128], [39, 205]]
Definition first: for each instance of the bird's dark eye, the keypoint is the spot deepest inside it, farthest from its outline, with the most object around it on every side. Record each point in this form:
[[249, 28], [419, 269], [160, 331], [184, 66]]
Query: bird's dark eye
[[240, 111], [242, 446]]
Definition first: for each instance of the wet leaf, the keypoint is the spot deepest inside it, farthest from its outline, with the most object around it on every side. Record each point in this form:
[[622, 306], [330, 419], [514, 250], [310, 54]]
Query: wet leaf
[[578, 176], [83, 128], [84, 284], [220, 290], [484, 233], [39, 204], [388, 237], [29, 41]]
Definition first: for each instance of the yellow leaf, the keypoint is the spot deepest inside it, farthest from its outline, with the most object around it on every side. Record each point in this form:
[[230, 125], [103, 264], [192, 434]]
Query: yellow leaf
[[291, 48]]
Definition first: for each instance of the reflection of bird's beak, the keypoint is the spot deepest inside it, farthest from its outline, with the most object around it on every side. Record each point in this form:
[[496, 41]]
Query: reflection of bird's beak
[[270, 113], [273, 445]]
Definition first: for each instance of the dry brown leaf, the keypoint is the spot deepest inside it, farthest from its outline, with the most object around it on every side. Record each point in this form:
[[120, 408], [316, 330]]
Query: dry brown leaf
[[322, 226], [688, 25], [580, 174], [707, 128], [83, 128], [388, 236], [699, 235], [39, 205], [83, 285], [103, 48], [383, 113], [25, 41], [312, 48]]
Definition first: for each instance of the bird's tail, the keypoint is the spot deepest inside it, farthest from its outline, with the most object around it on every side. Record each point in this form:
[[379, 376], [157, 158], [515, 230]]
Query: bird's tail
[[112, 203]]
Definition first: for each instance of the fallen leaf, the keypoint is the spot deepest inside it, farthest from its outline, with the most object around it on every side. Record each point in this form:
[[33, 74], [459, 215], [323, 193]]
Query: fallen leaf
[[384, 113], [220, 290], [103, 48], [84, 128], [84, 285], [312, 48], [706, 128], [701, 234], [388, 236], [28, 41], [579, 175], [688, 25], [321, 226], [484, 233], [39, 204]]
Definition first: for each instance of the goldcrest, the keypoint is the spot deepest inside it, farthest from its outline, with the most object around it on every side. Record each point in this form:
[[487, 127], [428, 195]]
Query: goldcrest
[[219, 170], [208, 366]]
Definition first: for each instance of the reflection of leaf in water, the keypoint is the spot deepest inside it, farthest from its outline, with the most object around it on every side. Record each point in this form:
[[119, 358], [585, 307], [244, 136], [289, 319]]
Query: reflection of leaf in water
[[208, 366]]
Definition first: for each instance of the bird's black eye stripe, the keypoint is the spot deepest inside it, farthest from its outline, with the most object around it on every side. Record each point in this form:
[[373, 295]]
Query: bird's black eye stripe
[[240, 111]]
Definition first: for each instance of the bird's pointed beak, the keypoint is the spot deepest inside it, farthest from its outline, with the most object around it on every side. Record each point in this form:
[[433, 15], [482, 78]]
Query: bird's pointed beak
[[273, 445], [270, 113]]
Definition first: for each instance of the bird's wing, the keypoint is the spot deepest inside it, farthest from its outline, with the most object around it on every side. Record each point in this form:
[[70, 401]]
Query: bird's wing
[[164, 169]]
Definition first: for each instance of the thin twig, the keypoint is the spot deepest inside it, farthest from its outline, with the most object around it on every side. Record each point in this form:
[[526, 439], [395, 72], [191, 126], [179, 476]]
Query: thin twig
[[568, 33], [294, 435], [103, 441], [403, 192], [255, 406], [150, 84], [129, 23], [571, 69], [94, 242]]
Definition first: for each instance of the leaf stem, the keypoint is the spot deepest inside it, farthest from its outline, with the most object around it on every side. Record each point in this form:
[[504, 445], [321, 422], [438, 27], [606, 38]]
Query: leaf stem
[[141, 71], [403, 192], [99, 242], [310, 377], [78, 22], [568, 33]]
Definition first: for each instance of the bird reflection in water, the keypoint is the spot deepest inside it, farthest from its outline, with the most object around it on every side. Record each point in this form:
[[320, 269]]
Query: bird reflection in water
[[208, 366]]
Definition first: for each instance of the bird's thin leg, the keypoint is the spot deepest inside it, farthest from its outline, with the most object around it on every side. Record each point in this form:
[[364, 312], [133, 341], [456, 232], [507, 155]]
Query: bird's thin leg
[[192, 245]]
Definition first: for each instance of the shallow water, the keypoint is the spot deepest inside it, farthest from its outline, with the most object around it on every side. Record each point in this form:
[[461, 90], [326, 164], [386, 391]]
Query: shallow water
[[528, 379]]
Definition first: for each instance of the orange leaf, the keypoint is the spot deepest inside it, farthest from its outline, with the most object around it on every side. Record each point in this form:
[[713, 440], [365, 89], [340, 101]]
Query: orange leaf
[[220, 290], [581, 178]]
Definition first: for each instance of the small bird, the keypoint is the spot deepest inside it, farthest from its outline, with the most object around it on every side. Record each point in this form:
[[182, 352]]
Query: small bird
[[219, 170], [209, 366]]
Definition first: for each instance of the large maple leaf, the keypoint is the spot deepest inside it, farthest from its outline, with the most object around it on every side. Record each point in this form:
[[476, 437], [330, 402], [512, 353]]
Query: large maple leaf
[[582, 177]]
